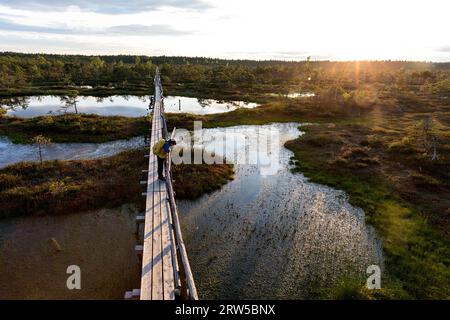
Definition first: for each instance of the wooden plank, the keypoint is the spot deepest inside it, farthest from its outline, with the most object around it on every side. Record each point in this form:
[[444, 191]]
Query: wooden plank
[[169, 286], [135, 293], [146, 280], [157, 271], [147, 259], [158, 266]]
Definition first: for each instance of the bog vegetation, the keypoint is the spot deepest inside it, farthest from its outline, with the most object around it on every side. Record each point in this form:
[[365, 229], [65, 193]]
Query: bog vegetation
[[61, 187], [381, 133]]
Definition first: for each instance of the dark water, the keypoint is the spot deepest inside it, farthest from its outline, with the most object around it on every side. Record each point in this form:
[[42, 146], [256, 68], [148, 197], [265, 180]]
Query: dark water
[[267, 234], [100, 242], [273, 234]]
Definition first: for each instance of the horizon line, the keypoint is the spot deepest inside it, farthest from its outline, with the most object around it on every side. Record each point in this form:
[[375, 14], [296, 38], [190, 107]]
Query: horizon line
[[217, 58]]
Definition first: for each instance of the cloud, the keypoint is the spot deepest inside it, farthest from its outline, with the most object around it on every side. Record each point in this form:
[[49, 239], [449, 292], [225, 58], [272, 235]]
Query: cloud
[[27, 43], [106, 7], [444, 49], [292, 53], [278, 55], [129, 30], [7, 25], [143, 30]]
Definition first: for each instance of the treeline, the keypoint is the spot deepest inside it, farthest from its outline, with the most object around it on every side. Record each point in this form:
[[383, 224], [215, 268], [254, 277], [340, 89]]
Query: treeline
[[25, 71], [18, 71], [177, 60]]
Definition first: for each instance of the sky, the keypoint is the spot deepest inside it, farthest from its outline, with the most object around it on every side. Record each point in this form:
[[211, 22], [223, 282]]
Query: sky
[[235, 29]]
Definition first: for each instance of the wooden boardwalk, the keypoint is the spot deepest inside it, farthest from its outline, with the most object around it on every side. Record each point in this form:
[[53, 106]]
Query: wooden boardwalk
[[166, 272]]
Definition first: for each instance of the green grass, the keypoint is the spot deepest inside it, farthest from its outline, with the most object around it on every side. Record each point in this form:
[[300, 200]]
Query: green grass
[[416, 255], [356, 289], [95, 128], [74, 128], [308, 110]]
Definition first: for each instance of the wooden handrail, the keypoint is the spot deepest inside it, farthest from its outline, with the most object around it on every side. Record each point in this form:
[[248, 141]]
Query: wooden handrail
[[186, 268], [188, 289]]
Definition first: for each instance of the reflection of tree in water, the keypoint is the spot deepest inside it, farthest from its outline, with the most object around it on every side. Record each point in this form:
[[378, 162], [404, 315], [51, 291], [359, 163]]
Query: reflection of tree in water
[[142, 98], [232, 103], [69, 102], [204, 102], [14, 103], [228, 104]]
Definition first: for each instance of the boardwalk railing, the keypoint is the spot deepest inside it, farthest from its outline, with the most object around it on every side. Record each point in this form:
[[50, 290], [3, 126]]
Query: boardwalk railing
[[188, 289], [166, 273]]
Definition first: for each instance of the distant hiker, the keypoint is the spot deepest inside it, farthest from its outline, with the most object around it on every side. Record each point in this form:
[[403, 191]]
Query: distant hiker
[[160, 150], [150, 106]]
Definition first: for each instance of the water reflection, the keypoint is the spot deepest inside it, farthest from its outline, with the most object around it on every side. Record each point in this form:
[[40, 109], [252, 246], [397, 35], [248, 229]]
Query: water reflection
[[294, 95], [130, 106], [260, 236], [12, 153], [300, 95], [274, 236]]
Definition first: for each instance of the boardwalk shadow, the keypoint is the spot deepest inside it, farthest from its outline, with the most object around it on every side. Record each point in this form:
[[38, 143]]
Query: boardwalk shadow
[[149, 266]]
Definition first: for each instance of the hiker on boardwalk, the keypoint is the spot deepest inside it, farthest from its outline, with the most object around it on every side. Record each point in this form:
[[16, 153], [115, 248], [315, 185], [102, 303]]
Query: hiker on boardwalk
[[160, 150]]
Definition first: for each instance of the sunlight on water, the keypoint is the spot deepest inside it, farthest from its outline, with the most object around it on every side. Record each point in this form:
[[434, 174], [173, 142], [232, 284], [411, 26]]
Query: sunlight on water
[[264, 234], [130, 106], [294, 95], [274, 236]]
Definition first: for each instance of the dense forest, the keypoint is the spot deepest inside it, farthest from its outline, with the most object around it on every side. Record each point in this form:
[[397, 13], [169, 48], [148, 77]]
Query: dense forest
[[26, 74]]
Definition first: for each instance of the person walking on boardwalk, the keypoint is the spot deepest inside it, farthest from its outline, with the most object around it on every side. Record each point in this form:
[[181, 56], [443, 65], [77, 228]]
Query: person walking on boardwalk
[[160, 150]]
